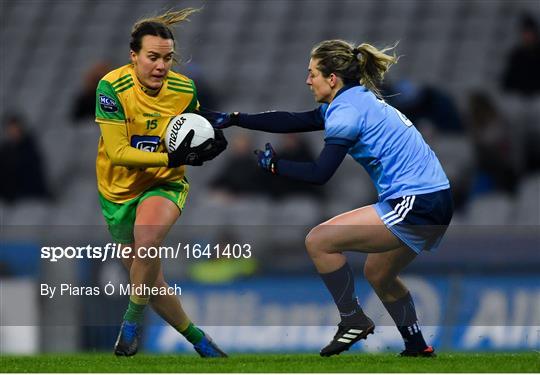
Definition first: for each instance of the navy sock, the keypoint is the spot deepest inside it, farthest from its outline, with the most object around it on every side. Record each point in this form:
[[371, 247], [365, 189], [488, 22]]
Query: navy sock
[[340, 283], [403, 313]]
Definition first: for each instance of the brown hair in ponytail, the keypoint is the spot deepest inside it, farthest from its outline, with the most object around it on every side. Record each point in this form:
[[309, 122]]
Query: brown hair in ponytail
[[364, 64]]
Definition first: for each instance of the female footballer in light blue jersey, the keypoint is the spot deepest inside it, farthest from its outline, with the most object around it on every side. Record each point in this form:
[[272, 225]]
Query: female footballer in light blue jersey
[[415, 204]]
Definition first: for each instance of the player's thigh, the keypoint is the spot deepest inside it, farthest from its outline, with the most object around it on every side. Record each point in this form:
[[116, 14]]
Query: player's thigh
[[357, 230], [381, 267], [154, 218]]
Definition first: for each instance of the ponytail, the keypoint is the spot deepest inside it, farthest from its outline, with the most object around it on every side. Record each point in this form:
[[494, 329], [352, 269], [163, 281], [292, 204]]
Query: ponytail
[[374, 64], [364, 64], [158, 26]]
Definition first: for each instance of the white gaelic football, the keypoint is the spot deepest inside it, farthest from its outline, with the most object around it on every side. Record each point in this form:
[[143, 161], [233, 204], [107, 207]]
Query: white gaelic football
[[180, 125]]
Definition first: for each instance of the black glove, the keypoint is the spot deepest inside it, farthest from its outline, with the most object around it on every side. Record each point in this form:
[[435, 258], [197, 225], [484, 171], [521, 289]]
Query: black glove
[[185, 154], [213, 147], [208, 150], [219, 120]]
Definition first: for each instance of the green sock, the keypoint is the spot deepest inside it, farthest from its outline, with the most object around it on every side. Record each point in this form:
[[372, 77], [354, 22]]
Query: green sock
[[193, 334], [135, 310]]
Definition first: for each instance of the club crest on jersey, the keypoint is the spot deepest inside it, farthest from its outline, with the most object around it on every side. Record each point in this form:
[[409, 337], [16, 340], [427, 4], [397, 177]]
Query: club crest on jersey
[[107, 104], [148, 143]]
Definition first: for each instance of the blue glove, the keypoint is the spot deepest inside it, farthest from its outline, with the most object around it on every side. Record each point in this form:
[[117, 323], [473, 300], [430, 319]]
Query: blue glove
[[267, 159], [219, 120]]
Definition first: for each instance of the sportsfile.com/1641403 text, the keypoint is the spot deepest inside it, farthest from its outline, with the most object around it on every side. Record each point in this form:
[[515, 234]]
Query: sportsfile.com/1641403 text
[[118, 251]]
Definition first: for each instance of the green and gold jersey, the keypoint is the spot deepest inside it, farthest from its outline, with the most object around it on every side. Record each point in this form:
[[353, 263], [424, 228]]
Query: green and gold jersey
[[131, 154]]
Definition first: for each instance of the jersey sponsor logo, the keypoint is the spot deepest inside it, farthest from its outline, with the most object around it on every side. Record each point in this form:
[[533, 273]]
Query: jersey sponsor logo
[[155, 114], [107, 104], [148, 143]]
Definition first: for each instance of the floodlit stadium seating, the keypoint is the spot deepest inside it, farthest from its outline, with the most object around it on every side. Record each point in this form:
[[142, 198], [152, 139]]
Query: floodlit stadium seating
[[254, 55]]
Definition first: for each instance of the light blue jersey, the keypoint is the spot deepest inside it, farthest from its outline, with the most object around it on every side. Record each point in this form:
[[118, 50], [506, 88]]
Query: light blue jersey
[[385, 143]]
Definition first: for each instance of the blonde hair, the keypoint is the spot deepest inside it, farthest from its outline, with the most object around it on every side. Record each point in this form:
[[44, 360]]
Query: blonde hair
[[158, 26], [364, 64]]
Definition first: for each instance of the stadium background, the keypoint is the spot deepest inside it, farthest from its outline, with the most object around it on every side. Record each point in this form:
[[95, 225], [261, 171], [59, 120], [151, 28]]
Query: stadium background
[[481, 291]]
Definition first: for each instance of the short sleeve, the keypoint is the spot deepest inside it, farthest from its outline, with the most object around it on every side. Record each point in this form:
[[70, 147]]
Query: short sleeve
[[343, 124], [108, 107]]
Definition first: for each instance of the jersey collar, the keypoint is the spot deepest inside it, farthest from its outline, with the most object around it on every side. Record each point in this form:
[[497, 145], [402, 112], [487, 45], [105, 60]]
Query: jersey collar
[[347, 87], [150, 92]]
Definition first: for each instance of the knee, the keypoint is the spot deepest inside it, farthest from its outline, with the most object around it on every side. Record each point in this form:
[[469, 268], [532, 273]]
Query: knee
[[147, 256], [148, 235], [316, 241], [146, 240], [147, 247]]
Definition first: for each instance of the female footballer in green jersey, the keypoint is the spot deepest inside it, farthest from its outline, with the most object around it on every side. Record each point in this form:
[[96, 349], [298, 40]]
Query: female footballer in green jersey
[[142, 187]]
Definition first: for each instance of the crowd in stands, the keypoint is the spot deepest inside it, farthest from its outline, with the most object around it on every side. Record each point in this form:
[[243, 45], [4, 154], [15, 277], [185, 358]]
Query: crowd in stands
[[502, 155]]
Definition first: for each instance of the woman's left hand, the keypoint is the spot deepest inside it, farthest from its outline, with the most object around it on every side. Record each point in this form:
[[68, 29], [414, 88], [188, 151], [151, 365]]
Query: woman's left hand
[[214, 146], [267, 159]]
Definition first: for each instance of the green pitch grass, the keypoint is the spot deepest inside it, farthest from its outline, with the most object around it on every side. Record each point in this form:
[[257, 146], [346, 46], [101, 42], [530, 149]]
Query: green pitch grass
[[306, 363]]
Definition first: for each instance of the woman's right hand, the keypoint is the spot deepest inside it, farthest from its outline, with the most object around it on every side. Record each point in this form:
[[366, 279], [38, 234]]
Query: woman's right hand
[[219, 120]]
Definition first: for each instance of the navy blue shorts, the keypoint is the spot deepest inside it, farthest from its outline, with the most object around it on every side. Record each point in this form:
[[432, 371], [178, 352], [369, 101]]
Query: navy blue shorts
[[420, 221]]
